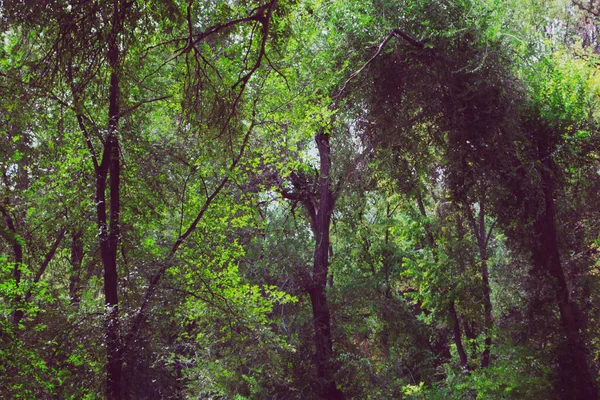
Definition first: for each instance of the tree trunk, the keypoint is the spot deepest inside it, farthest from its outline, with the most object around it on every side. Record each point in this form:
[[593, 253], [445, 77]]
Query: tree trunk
[[482, 236], [575, 378], [109, 232], [321, 318], [464, 362], [487, 310]]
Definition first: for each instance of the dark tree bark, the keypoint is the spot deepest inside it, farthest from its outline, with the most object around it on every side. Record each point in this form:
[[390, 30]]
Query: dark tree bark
[[464, 361], [319, 205], [575, 378], [321, 317], [108, 225]]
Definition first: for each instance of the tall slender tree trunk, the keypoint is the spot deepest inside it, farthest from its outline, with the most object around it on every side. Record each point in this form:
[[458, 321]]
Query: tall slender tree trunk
[[482, 244], [575, 378], [108, 226], [487, 311], [462, 354], [321, 317]]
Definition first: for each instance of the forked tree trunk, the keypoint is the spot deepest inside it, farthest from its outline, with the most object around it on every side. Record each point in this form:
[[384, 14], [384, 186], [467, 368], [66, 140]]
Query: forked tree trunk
[[319, 207]]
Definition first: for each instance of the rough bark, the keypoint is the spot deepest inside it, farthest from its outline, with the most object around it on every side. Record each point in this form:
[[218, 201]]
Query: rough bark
[[319, 206]]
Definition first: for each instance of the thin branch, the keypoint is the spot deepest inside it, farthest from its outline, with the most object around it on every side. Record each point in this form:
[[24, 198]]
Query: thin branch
[[277, 72], [397, 33], [141, 103], [487, 239], [361, 69], [265, 21], [47, 259], [155, 279]]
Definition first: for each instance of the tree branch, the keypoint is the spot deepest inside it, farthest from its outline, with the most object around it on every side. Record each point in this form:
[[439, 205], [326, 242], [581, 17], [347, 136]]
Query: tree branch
[[361, 69], [141, 103], [397, 33], [155, 279], [47, 259]]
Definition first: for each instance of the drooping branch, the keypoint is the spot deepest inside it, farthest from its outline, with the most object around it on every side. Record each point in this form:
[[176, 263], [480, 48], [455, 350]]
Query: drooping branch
[[258, 15], [265, 21]]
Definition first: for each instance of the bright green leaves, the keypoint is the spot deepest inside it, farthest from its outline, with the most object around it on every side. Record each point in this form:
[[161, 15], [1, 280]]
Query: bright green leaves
[[228, 323], [566, 92], [517, 374]]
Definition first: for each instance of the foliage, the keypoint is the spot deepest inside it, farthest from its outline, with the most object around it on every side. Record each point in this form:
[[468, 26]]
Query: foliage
[[457, 140]]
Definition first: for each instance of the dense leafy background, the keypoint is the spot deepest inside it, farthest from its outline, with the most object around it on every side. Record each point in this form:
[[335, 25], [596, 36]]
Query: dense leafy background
[[464, 150]]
